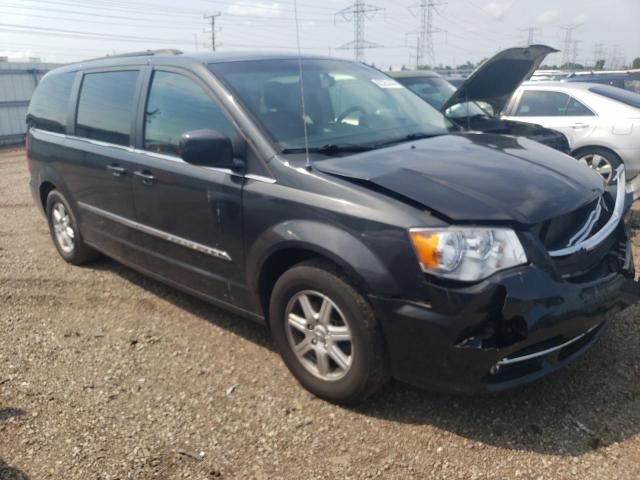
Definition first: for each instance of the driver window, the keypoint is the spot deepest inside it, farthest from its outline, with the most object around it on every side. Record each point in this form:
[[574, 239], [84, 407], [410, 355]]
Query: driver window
[[176, 104]]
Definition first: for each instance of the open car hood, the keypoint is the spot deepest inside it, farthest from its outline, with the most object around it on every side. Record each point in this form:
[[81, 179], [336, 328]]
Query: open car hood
[[495, 80], [475, 177]]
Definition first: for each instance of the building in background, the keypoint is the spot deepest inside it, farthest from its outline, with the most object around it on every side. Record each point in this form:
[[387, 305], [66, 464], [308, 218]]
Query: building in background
[[18, 80]]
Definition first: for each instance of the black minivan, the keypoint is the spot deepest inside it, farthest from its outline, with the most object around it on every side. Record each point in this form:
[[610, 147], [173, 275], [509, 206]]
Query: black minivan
[[324, 199]]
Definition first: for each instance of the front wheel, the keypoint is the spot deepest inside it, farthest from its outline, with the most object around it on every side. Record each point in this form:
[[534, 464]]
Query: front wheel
[[327, 333]]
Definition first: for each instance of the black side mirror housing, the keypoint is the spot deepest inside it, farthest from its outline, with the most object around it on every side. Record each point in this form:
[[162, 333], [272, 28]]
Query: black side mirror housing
[[208, 148]]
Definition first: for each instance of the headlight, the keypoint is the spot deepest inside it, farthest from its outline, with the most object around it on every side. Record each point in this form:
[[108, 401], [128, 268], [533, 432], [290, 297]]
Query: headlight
[[467, 254]]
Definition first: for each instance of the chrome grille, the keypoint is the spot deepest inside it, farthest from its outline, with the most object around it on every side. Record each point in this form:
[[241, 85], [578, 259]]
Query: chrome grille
[[585, 239], [587, 228]]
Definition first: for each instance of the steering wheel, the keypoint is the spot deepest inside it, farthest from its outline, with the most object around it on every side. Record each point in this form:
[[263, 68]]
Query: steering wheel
[[349, 111]]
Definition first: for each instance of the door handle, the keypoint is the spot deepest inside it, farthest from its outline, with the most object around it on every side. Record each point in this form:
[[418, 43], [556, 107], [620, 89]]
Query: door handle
[[116, 170], [578, 126], [146, 177]]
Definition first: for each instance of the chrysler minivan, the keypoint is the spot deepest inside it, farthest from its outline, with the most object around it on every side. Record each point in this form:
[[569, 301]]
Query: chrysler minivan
[[322, 198]]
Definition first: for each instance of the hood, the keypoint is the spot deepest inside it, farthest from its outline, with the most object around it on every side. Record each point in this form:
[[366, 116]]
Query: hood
[[495, 80], [476, 177]]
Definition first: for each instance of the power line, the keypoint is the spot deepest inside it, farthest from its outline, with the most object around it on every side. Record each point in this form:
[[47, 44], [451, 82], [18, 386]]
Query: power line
[[358, 13]]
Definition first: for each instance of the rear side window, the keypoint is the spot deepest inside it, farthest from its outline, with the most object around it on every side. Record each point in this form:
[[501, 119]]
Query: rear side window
[[106, 106], [539, 103], [48, 107], [176, 105], [577, 109]]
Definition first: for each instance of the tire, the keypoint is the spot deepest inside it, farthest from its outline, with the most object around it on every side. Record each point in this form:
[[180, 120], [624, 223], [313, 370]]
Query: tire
[[601, 160], [367, 367], [64, 231]]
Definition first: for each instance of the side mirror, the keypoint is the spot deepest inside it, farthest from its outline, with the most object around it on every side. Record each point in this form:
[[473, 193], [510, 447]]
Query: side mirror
[[208, 148]]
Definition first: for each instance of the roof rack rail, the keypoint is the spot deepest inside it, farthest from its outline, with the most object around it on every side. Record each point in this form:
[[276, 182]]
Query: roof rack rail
[[141, 53]]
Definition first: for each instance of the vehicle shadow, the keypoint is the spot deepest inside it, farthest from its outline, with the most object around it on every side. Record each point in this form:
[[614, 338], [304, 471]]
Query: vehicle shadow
[[591, 404], [6, 471], [242, 327]]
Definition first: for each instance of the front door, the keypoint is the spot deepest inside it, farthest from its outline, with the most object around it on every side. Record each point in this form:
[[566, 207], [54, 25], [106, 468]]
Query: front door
[[191, 216]]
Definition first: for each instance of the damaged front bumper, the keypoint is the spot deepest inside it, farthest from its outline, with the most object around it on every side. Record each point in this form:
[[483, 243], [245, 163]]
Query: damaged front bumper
[[514, 328]]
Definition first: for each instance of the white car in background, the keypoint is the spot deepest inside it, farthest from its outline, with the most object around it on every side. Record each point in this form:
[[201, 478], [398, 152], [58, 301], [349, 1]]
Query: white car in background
[[602, 123]]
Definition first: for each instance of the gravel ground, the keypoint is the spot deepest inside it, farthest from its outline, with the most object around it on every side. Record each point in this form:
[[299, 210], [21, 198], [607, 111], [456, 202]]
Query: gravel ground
[[105, 374]]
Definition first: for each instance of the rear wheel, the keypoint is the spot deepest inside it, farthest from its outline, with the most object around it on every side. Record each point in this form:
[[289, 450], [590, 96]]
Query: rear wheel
[[327, 334], [602, 161], [64, 231]]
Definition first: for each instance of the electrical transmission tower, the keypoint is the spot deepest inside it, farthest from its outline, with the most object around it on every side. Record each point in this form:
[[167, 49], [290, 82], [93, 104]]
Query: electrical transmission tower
[[358, 13], [530, 34], [599, 53], [425, 50], [615, 59], [212, 19], [575, 46], [568, 43]]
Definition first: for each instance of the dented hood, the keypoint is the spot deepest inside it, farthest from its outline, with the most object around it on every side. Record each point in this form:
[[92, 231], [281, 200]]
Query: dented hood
[[495, 80], [476, 177]]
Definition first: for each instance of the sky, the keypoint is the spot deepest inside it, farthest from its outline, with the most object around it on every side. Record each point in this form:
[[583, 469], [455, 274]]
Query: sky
[[466, 30]]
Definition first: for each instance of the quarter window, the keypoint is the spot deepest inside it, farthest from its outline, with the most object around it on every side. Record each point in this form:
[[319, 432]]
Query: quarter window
[[176, 105], [48, 107], [538, 103], [106, 106], [577, 109]]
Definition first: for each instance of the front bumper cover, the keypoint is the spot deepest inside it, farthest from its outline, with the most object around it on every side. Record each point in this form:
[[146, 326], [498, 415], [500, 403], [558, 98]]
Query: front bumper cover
[[464, 340]]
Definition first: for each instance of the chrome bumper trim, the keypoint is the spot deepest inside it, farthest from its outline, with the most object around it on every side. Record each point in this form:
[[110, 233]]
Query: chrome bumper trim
[[602, 234], [542, 353]]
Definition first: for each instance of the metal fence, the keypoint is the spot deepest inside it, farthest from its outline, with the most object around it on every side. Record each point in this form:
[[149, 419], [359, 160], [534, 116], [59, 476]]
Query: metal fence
[[17, 83]]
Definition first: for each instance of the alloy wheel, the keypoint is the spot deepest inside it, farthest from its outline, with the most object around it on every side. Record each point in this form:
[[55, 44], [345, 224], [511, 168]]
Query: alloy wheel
[[599, 163], [63, 228], [319, 335]]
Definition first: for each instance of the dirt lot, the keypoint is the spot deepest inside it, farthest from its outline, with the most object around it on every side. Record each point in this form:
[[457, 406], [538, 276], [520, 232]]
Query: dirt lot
[[105, 374]]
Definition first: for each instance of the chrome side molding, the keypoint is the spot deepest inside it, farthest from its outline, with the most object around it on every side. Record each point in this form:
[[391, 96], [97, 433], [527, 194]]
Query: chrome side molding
[[613, 222], [183, 242]]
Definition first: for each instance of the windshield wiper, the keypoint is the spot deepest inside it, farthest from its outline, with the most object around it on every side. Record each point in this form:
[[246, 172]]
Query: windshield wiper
[[331, 149], [408, 138]]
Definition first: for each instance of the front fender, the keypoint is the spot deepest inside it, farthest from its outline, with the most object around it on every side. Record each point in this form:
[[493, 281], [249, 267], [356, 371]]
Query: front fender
[[342, 247]]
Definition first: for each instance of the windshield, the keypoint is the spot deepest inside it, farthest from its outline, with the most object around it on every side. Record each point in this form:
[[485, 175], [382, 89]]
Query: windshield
[[346, 103], [436, 91]]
